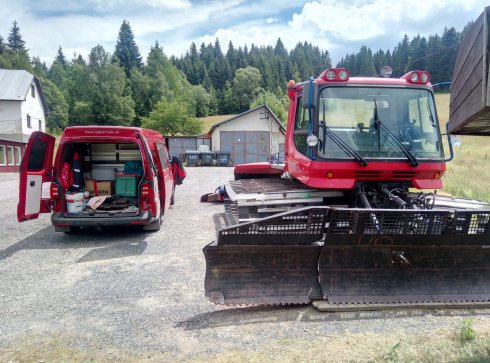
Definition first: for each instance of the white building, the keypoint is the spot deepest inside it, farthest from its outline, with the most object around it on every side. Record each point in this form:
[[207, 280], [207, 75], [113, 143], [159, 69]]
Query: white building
[[251, 136], [23, 110]]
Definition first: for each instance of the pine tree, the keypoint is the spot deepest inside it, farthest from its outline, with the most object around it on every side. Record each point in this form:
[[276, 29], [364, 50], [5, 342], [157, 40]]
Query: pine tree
[[127, 51], [449, 50], [15, 42], [60, 57]]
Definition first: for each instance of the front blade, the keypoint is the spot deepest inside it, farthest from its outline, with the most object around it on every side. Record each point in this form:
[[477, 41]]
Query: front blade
[[263, 275], [405, 274], [406, 257]]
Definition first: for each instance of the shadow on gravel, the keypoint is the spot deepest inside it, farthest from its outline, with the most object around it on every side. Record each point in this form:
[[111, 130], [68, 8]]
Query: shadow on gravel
[[305, 314], [106, 244]]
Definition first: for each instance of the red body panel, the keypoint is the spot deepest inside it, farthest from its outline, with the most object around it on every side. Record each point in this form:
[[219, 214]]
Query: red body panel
[[344, 174], [36, 169], [259, 168]]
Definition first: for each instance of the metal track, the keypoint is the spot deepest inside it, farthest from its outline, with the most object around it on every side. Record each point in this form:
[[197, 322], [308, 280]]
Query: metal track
[[339, 308]]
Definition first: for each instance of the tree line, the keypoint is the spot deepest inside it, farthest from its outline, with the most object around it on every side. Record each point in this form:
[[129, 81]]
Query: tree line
[[169, 94]]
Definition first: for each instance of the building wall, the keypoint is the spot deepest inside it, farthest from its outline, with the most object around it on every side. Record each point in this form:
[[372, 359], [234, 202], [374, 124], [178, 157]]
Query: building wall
[[11, 154], [33, 107], [10, 117], [253, 121]]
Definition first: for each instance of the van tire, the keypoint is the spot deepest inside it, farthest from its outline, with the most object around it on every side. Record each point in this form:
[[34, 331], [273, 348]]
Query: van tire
[[67, 230], [172, 198], [153, 226]]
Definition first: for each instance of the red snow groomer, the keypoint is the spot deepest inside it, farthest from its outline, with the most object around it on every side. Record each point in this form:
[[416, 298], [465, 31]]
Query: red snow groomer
[[350, 223]]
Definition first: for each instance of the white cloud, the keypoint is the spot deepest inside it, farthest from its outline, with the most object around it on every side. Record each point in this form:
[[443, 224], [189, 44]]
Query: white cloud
[[339, 26]]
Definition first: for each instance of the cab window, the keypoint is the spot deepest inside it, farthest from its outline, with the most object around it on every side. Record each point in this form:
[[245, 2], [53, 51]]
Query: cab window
[[302, 120]]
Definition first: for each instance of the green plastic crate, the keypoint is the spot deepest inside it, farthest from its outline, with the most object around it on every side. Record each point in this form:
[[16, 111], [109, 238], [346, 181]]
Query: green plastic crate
[[126, 185]]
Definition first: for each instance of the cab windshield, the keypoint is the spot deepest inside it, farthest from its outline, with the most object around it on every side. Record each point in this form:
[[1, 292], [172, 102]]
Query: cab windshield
[[377, 123]]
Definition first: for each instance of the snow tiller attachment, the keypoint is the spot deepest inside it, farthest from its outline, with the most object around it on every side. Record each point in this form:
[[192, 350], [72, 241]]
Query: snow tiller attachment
[[345, 256]]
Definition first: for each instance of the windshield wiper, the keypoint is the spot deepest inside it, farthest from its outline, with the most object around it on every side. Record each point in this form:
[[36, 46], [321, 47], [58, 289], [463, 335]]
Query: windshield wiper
[[378, 125], [341, 144]]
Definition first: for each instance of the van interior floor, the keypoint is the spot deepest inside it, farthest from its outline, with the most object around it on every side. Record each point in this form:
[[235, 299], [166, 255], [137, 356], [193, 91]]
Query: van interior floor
[[113, 205]]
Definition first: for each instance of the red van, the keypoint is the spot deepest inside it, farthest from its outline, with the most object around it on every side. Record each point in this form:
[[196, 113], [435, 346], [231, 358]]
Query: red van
[[126, 169]]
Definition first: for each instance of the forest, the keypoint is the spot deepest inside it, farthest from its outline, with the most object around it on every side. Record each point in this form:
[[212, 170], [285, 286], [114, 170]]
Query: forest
[[169, 94]]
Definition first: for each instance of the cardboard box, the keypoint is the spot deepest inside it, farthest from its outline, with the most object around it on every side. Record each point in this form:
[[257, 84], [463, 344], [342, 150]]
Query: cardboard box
[[99, 187]]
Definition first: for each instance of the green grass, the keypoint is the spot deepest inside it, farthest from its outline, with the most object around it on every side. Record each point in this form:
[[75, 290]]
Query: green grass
[[209, 121], [468, 173]]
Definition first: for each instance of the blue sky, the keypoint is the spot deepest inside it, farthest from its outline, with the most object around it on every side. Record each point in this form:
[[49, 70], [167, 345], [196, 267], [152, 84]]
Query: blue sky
[[340, 26]]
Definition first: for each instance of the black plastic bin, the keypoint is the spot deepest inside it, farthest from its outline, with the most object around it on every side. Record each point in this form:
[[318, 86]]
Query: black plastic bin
[[207, 158], [193, 157], [223, 158]]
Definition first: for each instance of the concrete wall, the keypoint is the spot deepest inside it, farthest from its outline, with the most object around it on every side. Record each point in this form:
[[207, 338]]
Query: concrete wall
[[33, 106], [252, 121], [13, 115], [10, 117]]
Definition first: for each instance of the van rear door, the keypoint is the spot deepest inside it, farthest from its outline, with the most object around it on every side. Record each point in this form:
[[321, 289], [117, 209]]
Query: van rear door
[[166, 178], [36, 169]]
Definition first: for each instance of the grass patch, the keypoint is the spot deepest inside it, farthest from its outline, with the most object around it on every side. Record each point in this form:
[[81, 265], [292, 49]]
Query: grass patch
[[436, 346], [466, 332], [209, 121], [468, 173]]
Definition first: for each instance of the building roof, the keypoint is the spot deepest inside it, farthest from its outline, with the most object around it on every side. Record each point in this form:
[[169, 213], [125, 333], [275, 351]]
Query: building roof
[[15, 85], [281, 127]]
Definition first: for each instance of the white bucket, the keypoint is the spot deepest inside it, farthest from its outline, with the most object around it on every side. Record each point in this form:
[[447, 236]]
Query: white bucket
[[74, 202]]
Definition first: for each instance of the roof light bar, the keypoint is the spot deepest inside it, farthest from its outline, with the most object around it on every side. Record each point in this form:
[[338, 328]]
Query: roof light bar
[[335, 75], [417, 77]]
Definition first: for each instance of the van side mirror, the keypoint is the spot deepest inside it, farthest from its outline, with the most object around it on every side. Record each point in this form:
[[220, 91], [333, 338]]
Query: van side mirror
[[310, 94]]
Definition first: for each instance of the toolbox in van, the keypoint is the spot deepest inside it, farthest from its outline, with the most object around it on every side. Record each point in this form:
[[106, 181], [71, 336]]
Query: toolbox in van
[[126, 185]]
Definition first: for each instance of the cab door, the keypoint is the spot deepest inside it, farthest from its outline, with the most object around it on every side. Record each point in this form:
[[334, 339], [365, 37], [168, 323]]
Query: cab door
[[36, 169]]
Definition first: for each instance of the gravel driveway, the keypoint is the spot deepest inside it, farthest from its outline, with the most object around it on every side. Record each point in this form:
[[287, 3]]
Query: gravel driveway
[[130, 295]]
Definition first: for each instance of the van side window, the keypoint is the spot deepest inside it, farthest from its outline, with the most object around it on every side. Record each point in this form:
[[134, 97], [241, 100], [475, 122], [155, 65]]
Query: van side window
[[162, 155]]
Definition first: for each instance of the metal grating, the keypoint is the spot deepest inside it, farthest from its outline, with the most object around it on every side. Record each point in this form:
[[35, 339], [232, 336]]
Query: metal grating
[[470, 222], [301, 226], [402, 222]]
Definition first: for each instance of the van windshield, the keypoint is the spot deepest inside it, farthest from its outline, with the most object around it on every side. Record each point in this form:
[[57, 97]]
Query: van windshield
[[364, 118]]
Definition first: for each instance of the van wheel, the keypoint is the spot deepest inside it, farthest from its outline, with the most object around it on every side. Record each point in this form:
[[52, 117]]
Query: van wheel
[[153, 226], [67, 230], [172, 198]]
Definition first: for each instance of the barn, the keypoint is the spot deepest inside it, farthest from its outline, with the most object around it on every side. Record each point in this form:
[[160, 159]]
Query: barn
[[249, 137]]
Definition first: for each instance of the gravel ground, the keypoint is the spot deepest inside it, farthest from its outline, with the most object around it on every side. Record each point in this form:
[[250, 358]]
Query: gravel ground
[[125, 294]]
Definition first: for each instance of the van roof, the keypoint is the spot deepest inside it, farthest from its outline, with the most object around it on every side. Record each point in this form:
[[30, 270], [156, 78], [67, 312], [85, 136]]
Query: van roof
[[116, 132]]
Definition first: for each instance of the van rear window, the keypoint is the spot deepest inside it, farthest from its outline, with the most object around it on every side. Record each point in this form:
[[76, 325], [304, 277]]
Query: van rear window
[[37, 155]]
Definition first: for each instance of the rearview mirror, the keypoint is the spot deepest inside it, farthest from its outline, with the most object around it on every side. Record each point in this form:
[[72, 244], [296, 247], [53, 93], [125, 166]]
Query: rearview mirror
[[310, 94]]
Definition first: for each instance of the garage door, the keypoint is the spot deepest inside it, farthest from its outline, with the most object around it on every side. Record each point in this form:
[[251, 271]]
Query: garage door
[[178, 145], [246, 146]]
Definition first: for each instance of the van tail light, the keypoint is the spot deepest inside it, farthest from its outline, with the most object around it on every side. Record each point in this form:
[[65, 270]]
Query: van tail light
[[54, 191], [145, 196], [55, 196]]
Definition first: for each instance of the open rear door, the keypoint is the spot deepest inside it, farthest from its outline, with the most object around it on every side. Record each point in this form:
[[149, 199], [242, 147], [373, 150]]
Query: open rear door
[[36, 169]]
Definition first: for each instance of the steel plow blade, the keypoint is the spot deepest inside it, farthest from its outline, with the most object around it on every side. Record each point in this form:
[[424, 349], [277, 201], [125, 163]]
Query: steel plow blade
[[261, 274], [406, 257]]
